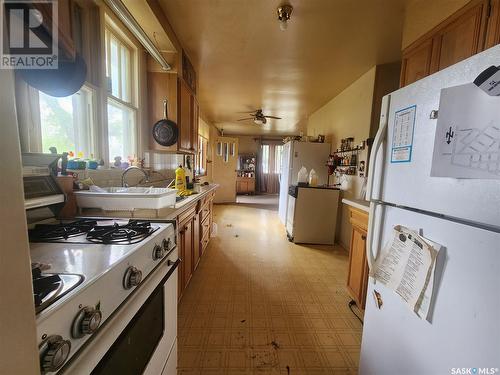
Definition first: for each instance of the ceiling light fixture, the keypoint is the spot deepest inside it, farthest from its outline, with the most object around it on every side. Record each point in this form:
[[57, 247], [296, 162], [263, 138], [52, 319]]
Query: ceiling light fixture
[[284, 14], [258, 121]]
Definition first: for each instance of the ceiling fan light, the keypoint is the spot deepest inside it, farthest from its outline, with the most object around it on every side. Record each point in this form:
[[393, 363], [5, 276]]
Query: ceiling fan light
[[258, 121], [284, 13]]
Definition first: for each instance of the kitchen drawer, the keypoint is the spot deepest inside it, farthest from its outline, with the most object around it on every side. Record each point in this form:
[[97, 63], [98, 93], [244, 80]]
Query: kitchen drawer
[[205, 212], [205, 226], [358, 218], [204, 241], [204, 200], [187, 214]]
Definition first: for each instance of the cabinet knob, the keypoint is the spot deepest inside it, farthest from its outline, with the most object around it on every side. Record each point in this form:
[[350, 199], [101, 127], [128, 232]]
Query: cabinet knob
[[363, 237]]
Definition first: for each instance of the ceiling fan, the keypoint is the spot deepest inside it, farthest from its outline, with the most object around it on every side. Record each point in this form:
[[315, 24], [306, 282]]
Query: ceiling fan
[[258, 117]]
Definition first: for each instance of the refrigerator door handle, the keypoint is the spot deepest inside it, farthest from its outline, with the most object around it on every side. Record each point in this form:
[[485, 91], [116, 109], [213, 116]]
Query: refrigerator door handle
[[374, 234], [370, 259], [379, 138]]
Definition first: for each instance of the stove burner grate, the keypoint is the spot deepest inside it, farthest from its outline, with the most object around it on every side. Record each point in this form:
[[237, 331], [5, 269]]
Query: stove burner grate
[[61, 231], [43, 285], [133, 232]]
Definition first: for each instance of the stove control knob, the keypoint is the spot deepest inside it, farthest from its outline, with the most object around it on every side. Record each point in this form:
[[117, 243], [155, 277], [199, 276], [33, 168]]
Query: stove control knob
[[86, 322], [158, 252], [54, 351], [133, 277], [91, 321], [166, 244]]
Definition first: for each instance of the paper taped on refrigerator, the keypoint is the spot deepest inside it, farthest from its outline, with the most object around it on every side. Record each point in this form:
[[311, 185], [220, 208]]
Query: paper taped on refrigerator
[[407, 265], [467, 141]]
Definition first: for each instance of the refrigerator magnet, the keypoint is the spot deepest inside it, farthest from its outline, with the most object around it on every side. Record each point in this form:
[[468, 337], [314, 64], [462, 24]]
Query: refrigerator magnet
[[402, 136]]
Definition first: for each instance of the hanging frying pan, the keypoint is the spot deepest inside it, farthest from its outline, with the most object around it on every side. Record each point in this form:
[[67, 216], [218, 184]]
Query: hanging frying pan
[[165, 131]]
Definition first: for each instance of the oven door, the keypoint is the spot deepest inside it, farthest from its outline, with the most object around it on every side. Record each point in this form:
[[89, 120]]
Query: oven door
[[139, 337]]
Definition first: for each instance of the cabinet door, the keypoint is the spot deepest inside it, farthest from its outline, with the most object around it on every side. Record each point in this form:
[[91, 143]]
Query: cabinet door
[[357, 279], [196, 240], [493, 32], [185, 117], [180, 274], [463, 37], [186, 250], [416, 63], [194, 123], [251, 185]]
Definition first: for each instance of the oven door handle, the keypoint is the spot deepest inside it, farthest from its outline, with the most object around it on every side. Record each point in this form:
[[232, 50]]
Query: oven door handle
[[171, 270]]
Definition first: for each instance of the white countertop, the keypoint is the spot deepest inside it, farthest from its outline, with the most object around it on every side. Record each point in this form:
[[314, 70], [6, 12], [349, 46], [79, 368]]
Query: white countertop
[[357, 203]]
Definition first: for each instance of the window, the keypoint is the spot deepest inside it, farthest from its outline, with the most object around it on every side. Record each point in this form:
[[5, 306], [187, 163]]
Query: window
[[265, 158], [67, 123], [201, 156], [271, 158], [278, 152], [122, 112]]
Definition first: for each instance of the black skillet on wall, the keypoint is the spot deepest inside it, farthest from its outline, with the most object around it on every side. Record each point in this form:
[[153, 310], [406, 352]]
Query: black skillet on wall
[[67, 79], [165, 131]]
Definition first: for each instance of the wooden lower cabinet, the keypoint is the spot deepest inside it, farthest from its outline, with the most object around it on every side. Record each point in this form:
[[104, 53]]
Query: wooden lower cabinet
[[245, 185], [357, 279], [186, 242], [195, 225]]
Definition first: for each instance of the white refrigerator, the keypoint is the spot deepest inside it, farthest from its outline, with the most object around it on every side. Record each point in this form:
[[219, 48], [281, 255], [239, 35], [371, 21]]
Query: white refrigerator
[[295, 155], [462, 215]]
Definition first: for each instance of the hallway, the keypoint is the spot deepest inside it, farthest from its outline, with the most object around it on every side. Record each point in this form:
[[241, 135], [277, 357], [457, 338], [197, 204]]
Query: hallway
[[259, 304]]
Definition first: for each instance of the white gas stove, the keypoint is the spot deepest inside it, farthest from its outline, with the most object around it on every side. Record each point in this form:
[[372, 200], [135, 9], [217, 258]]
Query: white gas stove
[[87, 273]]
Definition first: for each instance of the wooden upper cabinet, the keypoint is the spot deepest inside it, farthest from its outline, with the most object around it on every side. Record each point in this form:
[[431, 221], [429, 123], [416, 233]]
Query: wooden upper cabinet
[[493, 32], [464, 37], [185, 117], [460, 36], [195, 124], [416, 64]]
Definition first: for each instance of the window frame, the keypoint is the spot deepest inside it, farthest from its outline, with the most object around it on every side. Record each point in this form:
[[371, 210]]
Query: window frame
[[202, 157], [112, 30], [88, 116], [96, 82]]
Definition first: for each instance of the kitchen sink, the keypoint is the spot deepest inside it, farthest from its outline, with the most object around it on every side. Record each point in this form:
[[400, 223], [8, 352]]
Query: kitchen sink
[[126, 198]]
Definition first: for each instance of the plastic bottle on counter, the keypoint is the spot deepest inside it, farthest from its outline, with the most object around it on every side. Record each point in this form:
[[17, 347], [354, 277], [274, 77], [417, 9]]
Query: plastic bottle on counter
[[180, 178], [313, 178], [302, 176]]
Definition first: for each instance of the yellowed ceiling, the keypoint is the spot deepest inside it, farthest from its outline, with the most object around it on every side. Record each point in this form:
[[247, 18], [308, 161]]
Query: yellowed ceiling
[[244, 61]]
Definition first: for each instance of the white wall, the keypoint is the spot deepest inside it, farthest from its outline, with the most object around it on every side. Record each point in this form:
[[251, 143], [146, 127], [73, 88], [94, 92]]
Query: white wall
[[346, 115]]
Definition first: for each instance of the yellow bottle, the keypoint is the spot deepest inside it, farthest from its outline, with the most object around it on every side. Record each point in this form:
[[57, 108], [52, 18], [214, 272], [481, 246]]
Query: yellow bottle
[[180, 179]]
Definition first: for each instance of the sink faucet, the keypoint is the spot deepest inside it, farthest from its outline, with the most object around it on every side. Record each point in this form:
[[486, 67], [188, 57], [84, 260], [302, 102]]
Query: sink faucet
[[146, 175]]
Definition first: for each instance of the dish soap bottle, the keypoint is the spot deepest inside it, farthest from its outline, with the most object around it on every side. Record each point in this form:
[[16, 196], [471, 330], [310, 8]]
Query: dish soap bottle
[[180, 179]]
